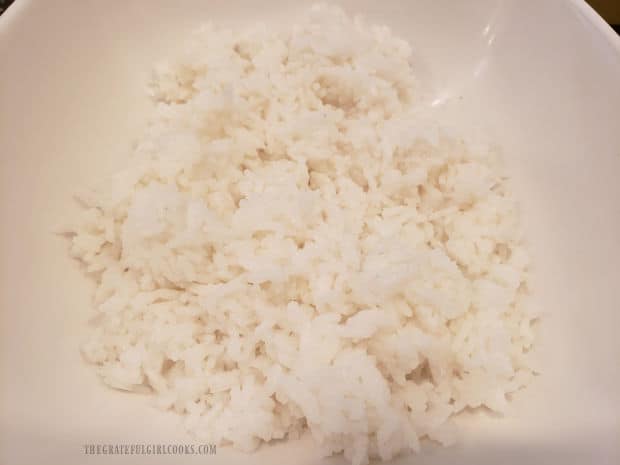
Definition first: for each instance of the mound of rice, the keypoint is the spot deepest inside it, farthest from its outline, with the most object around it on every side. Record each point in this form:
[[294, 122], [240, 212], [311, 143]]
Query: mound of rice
[[289, 248]]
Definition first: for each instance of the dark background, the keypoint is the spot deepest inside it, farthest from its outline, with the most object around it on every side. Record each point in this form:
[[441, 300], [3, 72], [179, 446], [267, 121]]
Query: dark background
[[4, 4], [608, 9]]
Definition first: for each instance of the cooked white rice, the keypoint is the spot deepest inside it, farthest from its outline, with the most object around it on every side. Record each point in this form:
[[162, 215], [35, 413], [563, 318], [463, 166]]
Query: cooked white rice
[[290, 248]]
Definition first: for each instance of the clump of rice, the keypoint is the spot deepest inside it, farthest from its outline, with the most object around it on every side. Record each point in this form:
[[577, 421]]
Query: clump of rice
[[288, 249]]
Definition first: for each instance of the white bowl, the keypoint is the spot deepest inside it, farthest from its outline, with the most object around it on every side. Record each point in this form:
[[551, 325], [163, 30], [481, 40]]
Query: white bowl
[[542, 79]]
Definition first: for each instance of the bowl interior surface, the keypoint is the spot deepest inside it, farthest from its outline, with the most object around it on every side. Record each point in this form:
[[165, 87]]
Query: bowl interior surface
[[540, 79]]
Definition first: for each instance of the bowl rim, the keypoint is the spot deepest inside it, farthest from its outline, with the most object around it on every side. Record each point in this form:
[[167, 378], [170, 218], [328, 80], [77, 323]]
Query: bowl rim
[[590, 15], [580, 7]]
